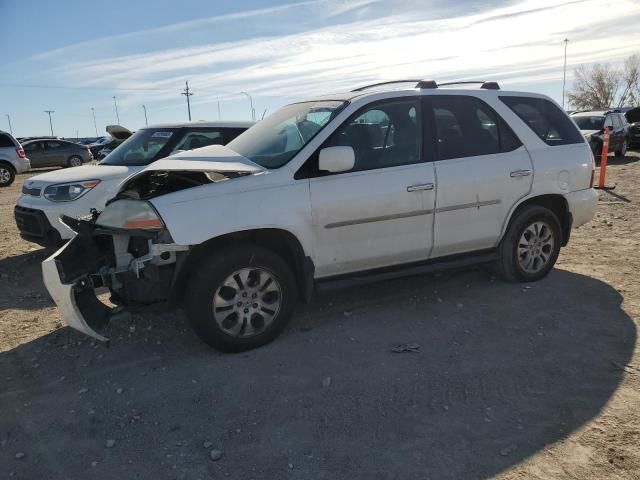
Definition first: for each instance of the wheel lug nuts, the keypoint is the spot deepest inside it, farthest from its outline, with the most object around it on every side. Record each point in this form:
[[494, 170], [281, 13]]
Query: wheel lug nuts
[[255, 305], [246, 310], [244, 294]]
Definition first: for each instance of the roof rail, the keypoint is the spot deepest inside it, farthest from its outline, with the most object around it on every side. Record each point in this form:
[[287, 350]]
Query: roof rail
[[431, 84], [419, 84], [484, 84]]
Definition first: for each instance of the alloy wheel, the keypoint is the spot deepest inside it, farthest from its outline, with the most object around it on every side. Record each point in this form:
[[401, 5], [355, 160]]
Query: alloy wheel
[[247, 302], [535, 247], [5, 175]]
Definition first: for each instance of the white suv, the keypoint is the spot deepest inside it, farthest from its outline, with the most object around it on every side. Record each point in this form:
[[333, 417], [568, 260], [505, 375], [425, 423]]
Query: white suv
[[368, 184]]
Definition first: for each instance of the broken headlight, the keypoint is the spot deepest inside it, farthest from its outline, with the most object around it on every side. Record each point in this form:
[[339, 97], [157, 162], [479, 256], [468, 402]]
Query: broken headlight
[[129, 214], [67, 192]]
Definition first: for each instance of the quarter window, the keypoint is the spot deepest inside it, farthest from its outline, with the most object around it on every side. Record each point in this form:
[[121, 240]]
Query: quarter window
[[383, 135], [467, 127], [548, 121]]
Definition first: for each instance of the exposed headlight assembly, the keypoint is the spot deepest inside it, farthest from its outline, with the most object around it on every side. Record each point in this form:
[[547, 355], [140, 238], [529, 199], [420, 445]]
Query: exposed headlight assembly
[[129, 214], [68, 192]]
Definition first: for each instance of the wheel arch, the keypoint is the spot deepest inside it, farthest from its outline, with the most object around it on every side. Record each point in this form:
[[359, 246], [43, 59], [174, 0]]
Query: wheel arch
[[280, 241], [554, 202]]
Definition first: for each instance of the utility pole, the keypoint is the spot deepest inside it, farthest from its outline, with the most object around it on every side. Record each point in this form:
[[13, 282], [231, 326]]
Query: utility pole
[[564, 74], [95, 125], [187, 94], [253, 112], [11, 129], [50, 123], [115, 103], [144, 107], [219, 117]]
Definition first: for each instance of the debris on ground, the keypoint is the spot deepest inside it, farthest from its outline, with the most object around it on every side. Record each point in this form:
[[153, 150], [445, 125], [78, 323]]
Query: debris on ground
[[406, 347]]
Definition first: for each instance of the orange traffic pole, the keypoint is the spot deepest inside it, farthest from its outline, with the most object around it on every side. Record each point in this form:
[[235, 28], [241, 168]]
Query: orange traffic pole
[[603, 157]]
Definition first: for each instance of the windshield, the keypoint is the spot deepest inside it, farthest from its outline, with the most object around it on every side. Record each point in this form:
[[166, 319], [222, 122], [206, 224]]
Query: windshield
[[140, 148], [275, 140], [589, 123]]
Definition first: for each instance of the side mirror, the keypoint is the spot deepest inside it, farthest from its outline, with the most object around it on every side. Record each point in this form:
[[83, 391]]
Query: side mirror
[[336, 159]]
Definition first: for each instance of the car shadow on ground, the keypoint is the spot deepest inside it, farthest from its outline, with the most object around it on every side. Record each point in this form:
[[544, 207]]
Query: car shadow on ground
[[502, 371], [21, 281], [616, 160]]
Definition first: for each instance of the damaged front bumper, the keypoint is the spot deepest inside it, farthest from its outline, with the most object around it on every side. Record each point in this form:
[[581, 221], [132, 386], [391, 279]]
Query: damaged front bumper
[[136, 270]]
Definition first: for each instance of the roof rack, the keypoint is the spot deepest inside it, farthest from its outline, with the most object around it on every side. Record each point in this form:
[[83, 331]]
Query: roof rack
[[429, 84], [484, 84]]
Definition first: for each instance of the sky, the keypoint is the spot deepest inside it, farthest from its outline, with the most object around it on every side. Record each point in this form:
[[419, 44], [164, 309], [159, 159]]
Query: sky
[[73, 55]]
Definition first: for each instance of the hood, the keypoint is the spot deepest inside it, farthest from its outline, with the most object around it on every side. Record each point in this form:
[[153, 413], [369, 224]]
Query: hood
[[633, 115], [184, 170], [77, 174], [214, 158], [118, 132]]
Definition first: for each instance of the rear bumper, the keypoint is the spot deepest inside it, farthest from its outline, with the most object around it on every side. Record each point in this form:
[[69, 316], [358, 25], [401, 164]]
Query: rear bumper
[[582, 205], [22, 165], [34, 226]]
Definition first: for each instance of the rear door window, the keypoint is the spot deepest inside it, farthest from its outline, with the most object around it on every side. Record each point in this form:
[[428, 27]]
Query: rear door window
[[468, 127], [546, 119]]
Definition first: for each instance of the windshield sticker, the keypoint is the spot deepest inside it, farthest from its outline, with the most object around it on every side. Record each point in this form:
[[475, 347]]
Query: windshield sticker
[[161, 134]]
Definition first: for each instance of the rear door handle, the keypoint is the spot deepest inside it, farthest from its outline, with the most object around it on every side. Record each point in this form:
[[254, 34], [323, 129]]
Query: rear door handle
[[419, 187], [520, 173]]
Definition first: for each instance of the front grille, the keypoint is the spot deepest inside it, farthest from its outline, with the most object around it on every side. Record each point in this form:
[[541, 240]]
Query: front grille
[[33, 191]]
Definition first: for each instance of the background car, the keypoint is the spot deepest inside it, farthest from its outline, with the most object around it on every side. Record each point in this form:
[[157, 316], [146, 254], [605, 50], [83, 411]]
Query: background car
[[592, 125], [76, 191], [633, 117], [56, 153], [12, 159], [117, 135]]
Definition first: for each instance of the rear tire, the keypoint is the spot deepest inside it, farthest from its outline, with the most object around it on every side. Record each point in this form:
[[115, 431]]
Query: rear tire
[[7, 175], [622, 151], [240, 298], [531, 245], [75, 161]]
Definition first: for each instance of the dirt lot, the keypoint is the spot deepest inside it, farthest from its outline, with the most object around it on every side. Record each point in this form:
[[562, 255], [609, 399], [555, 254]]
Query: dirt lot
[[511, 381]]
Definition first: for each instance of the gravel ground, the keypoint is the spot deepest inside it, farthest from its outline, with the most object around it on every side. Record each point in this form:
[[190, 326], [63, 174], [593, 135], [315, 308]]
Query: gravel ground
[[508, 381]]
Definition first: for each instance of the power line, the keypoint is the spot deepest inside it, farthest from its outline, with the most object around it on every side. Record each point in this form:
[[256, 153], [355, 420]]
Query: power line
[[187, 94]]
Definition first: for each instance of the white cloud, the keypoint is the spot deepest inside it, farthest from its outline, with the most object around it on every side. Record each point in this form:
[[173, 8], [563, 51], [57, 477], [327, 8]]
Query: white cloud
[[518, 44]]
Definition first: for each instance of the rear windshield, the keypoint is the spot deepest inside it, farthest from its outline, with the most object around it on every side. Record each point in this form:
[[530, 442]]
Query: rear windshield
[[141, 148], [548, 121], [589, 123]]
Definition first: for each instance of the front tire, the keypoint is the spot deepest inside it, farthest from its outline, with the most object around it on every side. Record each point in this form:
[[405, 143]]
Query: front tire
[[7, 175], [75, 161], [531, 245], [241, 298]]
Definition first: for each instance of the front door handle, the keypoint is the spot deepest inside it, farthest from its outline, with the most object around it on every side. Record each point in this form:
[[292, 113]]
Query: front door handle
[[419, 187], [520, 173]]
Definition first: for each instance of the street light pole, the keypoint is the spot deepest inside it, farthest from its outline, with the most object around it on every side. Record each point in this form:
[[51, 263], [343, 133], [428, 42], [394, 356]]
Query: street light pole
[[564, 74], [50, 122], [253, 112], [144, 107], [219, 117], [11, 129], [95, 125], [187, 94], [115, 103]]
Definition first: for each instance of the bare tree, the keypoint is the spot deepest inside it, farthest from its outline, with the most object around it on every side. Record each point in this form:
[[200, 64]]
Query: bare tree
[[601, 86], [631, 82]]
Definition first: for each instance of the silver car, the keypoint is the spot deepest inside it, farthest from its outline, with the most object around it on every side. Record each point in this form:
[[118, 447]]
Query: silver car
[[12, 159], [56, 153]]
